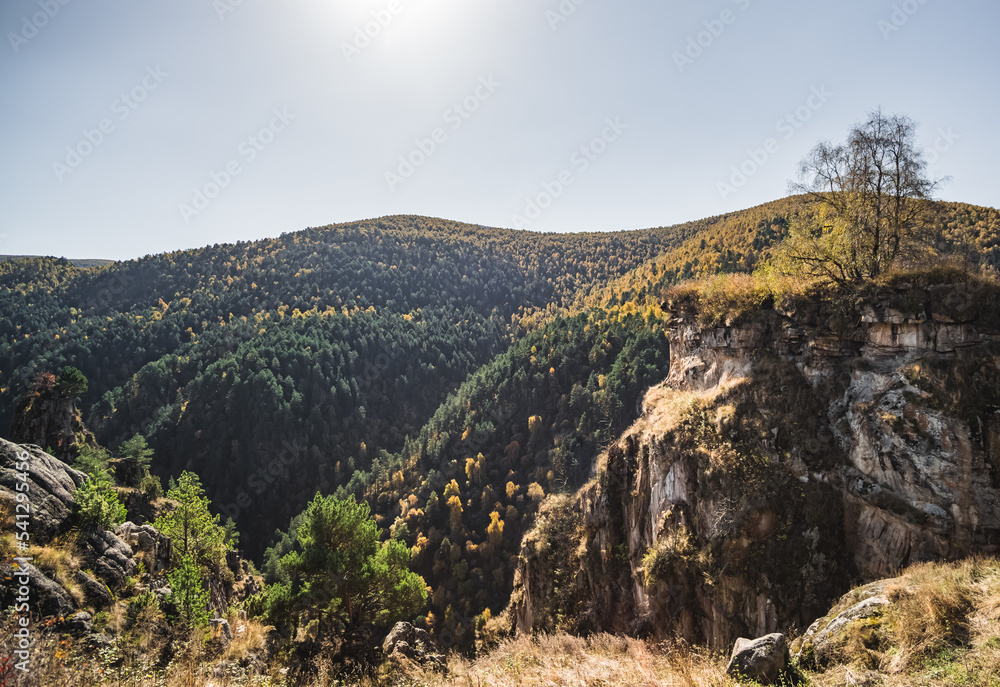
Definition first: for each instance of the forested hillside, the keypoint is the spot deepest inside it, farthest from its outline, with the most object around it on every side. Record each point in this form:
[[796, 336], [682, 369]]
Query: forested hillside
[[742, 241], [327, 345], [279, 367], [462, 492]]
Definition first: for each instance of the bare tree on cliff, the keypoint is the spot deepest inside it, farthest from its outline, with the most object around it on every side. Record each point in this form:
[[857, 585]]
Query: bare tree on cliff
[[869, 190]]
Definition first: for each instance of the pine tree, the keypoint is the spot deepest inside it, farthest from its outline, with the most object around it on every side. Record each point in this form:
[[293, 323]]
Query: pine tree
[[187, 592], [193, 529], [341, 569]]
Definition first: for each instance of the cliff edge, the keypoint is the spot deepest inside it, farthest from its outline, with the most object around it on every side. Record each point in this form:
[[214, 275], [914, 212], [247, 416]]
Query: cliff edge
[[795, 449]]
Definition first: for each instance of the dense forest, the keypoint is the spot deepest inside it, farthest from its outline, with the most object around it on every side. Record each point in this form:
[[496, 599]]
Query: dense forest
[[331, 344], [450, 375]]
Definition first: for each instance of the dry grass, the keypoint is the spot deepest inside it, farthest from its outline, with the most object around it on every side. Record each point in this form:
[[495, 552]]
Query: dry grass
[[732, 299], [941, 629], [8, 543], [249, 638], [602, 660], [59, 560]]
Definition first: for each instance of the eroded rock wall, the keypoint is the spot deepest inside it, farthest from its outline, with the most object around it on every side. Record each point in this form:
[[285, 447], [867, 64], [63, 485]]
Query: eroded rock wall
[[782, 460]]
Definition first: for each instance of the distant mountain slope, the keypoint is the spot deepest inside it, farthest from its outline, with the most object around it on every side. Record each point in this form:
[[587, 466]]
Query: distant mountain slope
[[741, 241], [340, 340], [83, 263]]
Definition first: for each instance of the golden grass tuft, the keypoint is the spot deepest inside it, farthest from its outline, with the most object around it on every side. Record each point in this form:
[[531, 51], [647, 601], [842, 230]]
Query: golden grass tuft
[[940, 629], [605, 660], [59, 560], [249, 637]]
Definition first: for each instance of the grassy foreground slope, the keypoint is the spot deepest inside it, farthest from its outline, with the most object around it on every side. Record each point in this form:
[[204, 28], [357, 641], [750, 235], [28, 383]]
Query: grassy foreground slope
[[939, 628]]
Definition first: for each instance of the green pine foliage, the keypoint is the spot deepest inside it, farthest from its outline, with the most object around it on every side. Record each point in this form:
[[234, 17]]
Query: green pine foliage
[[93, 460], [340, 570], [137, 450], [448, 376], [195, 532], [464, 490], [71, 382], [97, 506], [345, 338], [188, 594]]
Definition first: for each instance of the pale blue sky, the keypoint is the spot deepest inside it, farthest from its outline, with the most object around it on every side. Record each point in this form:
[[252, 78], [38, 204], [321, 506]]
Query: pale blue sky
[[210, 79]]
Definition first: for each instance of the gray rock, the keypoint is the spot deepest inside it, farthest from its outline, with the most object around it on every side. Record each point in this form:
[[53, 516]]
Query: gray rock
[[80, 624], [110, 558], [422, 641], [47, 598], [156, 547], [95, 592], [405, 649], [400, 632], [51, 484], [110, 572], [764, 660], [221, 625], [819, 645], [412, 643]]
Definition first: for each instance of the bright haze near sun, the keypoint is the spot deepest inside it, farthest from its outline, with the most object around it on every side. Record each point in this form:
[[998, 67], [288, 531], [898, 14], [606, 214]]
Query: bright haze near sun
[[383, 110]]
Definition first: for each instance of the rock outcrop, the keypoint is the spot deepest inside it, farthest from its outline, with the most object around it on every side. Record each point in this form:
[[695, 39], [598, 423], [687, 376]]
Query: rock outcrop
[[51, 420], [110, 558], [407, 643], [826, 636], [145, 540], [46, 597], [763, 660], [51, 484], [786, 456]]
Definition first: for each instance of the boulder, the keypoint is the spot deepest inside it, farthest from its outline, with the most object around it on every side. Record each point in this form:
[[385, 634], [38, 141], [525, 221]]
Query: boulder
[[858, 612], [764, 660], [400, 632], [51, 484], [47, 598], [413, 643], [110, 558], [221, 627], [95, 592], [80, 624]]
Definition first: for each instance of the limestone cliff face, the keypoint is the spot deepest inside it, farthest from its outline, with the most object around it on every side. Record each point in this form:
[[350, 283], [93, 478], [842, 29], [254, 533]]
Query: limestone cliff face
[[784, 458], [51, 421]]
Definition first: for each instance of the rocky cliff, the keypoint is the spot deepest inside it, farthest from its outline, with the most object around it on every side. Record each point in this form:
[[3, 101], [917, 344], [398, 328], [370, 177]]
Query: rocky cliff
[[792, 451], [49, 419]]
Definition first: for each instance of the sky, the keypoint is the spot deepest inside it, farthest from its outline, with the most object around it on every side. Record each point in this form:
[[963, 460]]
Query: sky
[[133, 127]]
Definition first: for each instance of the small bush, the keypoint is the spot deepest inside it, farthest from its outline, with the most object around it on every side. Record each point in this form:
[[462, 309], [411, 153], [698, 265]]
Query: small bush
[[670, 557], [98, 506], [152, 487], [140, 603], [94, 461], [101, 620]]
